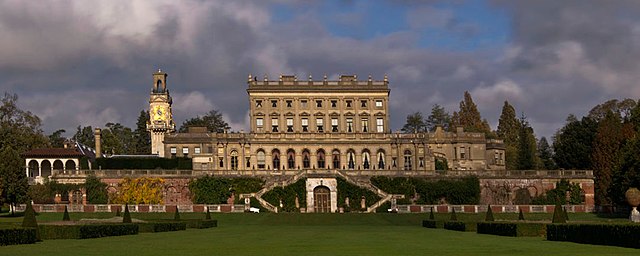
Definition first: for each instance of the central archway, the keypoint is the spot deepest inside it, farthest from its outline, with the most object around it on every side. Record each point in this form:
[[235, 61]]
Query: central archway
[[322, 199]]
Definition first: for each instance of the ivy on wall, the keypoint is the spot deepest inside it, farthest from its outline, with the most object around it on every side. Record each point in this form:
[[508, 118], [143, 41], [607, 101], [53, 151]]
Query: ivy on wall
[[215, 190], [288, 196], [355, 194], [456, 191]]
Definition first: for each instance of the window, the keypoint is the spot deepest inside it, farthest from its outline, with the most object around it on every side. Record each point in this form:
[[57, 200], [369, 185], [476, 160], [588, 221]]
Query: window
[[363, 103], [380, 125], [196, 150], [336, 159], [289, 124], [378, 103], [234, 160], [174, 151], [319, 103], [275, 155], [351, 160], [462, 153], [348, 103], [248, 161], [407, 160], [221, 162], [380, 160], [365, 160], [334, 103], [303, 103], [274, 124], [394, 162], [274, 103], [334, 124], [306, 162], [319, 124], [185, 151], [261, 159], [305, 124], [321, 162], [259, 122], [258, 103], [421, 162], [349, 124], [365, 124], [289, 103], [291, 162]]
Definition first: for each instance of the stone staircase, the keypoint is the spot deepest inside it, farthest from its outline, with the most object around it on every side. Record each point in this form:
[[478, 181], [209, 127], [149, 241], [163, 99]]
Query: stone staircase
[[273, 183]]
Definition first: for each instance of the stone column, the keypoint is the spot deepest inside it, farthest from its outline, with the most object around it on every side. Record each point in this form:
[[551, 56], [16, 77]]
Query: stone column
[[97, 134]]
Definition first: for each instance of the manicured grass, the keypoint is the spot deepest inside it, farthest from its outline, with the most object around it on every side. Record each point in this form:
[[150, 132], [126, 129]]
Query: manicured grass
[[308, 234]]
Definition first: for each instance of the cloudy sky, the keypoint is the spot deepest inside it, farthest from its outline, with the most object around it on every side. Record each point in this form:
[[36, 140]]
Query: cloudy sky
[[90, 62]]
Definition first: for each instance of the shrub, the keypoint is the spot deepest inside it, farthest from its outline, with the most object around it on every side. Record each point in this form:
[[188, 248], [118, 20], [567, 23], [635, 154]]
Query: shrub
[[86, 231], [216, 190], [558, 215], [150, 227], [566, 215], [180, 163], [489, 216], [208, 216], [201, 224], [176, 215], [460, 226], [288, 196], [433, 224], [625, 235], [127, 216], [520, 215], [453, 215], [456, 191], [354, 193], [13, 236], [96, 190], [431, 216], [65, 216], [29, 220], [511, 228]]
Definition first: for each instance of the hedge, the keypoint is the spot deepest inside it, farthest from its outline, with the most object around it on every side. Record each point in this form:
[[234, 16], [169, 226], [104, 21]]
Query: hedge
[[512, 228], [456, 191], [216, 190], [355, 194], [433, 224], [624, 235], [288, 196], [12, 236], [180, 163], [201, 224], [152, 227], [460, 226], [86, 231]]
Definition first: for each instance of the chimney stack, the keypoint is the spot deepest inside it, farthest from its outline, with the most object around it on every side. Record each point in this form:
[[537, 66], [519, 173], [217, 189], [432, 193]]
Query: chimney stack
[[97, 134]]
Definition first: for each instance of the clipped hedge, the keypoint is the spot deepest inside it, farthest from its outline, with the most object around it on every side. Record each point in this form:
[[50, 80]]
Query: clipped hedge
[[512, 228], [86, 231], [179, 163], [624, 235], [11, 236], [433, 224], [456, 191], [152, 227], [201, 224], [460, 226]]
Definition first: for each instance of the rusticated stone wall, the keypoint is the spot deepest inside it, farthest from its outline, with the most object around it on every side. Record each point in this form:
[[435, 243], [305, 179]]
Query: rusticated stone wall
[[504, 191]]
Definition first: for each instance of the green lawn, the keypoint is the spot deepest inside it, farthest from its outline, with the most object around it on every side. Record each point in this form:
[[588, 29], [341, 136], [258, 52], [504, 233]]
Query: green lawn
[[311, 234]]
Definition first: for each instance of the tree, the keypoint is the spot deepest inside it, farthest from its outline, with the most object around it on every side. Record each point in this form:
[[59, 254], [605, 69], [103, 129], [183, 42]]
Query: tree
[[415, 123], [142, 137], [56, 140], [573, 143], [15, 182], [508, 130], [96, 190], [19, 129], [621, 108], [469, 117], [117, 139], [545, 154], [526, 146], [438, 117], [84, 135], [213, 120]]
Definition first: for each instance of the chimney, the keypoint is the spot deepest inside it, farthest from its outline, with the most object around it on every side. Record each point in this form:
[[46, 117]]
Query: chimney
[[97, 133]]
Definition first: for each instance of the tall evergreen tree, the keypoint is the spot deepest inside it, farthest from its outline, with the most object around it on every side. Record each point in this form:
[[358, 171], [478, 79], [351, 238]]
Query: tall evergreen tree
[[573, 143], [469, 117], [15, 182], [415, 123], [84, 135], [545, 154], [141, 136], [438, 117], [213, 120], [508, 130], [526, 146]]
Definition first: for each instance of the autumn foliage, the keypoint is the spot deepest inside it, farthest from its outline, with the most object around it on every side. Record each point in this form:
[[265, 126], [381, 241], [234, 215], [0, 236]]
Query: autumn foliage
[[139, 191]]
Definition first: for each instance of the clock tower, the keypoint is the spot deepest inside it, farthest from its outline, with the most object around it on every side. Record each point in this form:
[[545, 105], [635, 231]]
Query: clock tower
[[160, 117]]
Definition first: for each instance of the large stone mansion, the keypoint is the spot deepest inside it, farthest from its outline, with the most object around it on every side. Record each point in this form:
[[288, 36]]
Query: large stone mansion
[[307, 124]]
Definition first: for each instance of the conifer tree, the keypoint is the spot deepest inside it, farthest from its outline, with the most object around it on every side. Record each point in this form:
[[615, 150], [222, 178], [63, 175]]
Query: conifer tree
[[469, 117], [208, 216], [558, 215], [545, 154], [29, 219], [526, 146], [65, 216], [127, 216], [609, 140], [14, 180], [520, 214], [489, 216], [438, 117], [431, 216], [142, 137], [176, 216], [508, 129]]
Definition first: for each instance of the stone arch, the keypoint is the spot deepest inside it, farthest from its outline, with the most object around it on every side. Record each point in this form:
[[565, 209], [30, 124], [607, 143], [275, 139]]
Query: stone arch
[[306, 159], [76, 197], [408, 159], [351, 159], [380, 158], [70, 165], [322, 199], [234, 159], [291, 159], [34, 168], [58, 165], [261, 159], [366, 159], [335, 158], [45, 168], [321, 158], [275, 159]]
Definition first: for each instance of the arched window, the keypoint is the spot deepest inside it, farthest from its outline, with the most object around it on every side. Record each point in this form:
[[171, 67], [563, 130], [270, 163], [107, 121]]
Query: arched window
[[159, 85], [234, 160], [261, 159], [381, 159], [351, 156], [321, 162], [306, 161], [407, 160], [335, 155], [366, 157], [291, 159], [275, 155]]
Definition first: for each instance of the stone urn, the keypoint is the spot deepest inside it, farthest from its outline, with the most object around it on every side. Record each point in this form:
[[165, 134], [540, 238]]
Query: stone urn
[[633, 198]]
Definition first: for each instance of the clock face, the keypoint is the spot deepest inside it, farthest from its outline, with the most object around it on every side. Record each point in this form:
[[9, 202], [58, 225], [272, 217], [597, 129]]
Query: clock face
[[159, 113]]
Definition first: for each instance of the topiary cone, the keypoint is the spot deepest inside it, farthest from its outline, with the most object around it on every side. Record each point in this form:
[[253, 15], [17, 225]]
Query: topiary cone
[[208, 216], [431, 217], [558, 215], [29, 220], [566, 215], [176, 216], [65, 216], [489, 216], [520, 215], [127, 216], [453, 214]]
